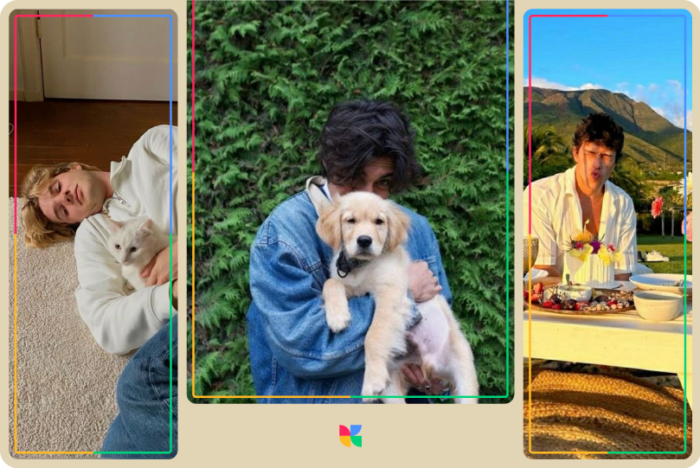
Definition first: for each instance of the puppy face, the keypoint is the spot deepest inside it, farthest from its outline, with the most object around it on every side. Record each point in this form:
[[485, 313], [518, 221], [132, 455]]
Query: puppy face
[[364, 223]]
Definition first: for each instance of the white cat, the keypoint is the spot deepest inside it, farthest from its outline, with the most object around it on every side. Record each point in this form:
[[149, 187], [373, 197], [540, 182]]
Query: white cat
[[134, 243]]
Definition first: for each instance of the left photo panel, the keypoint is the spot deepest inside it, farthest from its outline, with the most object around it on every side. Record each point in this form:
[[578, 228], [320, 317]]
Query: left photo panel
[[93, 233]]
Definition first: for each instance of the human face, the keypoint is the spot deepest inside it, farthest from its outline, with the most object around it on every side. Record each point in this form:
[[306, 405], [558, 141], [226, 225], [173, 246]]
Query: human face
[[72, 196], [377, 179], [594, 165]]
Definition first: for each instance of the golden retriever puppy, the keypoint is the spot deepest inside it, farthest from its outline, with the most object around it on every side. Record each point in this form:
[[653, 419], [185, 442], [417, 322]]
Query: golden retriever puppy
[[366, 233]]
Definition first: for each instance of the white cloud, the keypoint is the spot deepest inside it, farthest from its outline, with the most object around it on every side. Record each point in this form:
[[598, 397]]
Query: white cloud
[[676, 85], [665, 99], [591, 86], [659, 111], [623, 88], [545, 83], [678, 120]]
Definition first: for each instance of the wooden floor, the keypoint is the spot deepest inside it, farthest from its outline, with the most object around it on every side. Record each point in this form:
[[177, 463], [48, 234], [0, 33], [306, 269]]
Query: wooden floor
[[91, 132]]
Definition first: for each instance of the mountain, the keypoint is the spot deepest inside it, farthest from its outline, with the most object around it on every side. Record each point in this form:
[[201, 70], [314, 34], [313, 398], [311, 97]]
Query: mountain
[[650, 139]]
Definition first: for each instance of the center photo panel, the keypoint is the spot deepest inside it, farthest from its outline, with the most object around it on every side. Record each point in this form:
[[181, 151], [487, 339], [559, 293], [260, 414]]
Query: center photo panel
[[350, 202]]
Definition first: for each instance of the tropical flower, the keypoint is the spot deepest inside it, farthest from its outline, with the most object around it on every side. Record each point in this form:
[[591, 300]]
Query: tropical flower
[[656, 206], [607, 254], [687, 227], [585, 236], [585, 243], [680, 188], [582, 254]]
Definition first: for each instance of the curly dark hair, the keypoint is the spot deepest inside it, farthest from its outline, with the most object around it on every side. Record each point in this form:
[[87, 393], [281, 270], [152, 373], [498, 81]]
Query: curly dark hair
[[358, 132], [600, 128]]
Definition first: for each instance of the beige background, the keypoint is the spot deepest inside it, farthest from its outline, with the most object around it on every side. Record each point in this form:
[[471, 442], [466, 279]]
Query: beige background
[[307, 435]]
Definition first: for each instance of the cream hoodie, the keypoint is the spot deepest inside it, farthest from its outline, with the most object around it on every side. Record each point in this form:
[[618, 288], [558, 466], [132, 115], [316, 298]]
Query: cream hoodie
[[121, 322]]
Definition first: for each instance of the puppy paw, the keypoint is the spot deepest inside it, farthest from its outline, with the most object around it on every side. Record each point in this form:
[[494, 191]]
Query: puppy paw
[[374, 385], [338, 321]]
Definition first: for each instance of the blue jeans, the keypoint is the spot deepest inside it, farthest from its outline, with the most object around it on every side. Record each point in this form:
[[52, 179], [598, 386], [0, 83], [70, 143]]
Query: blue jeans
[[143, 397]]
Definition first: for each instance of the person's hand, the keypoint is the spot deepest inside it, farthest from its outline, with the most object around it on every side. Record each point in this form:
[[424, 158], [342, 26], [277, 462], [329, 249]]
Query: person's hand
[[157, 271], [423, 284], [418, 381]]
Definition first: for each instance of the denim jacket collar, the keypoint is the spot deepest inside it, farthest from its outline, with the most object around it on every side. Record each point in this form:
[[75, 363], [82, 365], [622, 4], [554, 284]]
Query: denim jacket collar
[[314, 189]]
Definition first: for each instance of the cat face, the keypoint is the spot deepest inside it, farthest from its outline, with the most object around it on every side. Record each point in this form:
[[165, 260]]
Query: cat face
[[130, 240]]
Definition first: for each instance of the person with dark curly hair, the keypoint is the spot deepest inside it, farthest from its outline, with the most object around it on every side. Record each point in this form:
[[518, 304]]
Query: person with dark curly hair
[[365, 146], [582, 197]]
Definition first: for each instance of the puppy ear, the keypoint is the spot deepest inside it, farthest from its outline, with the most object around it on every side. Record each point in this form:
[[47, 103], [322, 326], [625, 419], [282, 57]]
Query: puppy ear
[[328, 225], [399, 224]]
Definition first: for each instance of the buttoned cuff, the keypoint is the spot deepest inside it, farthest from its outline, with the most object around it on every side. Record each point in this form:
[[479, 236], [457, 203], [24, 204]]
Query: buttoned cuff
[[160, 302]]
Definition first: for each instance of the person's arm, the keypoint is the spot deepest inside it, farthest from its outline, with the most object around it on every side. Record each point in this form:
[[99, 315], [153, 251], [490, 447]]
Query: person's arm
[[290, 301], [412, 372], [628, 242], [442, 276], [156, 142], [542, 230], [118, 322]]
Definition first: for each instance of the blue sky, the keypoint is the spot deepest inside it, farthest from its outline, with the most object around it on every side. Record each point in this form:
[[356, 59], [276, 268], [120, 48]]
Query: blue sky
[[641, 57]]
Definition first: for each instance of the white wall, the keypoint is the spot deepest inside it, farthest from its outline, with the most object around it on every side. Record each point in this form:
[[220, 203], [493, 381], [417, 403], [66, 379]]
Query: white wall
[[20, 65]]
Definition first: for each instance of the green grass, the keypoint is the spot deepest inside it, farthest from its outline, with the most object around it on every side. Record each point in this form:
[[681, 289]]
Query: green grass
[[671, 247]]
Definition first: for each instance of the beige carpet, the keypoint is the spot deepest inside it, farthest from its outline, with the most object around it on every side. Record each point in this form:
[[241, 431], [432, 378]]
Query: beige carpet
[[65, 381]]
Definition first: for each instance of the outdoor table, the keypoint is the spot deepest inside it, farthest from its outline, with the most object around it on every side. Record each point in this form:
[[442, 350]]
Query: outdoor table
[[621, 340]]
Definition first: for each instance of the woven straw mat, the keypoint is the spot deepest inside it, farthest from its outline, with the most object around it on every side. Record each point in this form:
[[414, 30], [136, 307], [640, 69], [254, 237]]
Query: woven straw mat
[[574, 412]]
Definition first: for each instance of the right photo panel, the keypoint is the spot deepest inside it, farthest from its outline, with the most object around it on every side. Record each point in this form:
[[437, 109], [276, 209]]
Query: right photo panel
[[607, 230]]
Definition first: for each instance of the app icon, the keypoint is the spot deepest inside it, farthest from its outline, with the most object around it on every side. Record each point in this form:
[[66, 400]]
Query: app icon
[[350, 436]]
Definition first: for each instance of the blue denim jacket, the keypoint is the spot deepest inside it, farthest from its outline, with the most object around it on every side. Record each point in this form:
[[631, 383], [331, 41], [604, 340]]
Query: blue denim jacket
[[292, 350]]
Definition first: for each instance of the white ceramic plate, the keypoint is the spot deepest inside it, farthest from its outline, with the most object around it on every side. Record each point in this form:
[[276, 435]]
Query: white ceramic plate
[[536, 275], [661, 282]]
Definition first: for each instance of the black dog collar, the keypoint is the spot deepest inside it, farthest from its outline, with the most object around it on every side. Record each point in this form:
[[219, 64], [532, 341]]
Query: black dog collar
[[344, 265]]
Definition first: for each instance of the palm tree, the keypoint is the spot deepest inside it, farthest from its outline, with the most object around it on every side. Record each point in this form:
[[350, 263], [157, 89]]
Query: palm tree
[[545, 143], [629, 178]]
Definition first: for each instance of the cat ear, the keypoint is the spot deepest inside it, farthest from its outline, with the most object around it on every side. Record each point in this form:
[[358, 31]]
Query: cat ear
[[114, 226], [147, 225]]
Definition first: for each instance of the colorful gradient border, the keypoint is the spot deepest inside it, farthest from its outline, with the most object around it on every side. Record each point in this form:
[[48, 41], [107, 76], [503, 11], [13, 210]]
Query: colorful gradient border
[[685, 240], [170, 19], [507, 309]]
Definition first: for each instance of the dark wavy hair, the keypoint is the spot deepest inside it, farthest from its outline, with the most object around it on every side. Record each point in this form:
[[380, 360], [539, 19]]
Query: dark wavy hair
[[358, 132], [600, 128]]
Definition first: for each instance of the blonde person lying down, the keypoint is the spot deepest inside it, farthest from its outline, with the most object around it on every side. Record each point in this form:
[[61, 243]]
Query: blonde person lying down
[[75, 202]]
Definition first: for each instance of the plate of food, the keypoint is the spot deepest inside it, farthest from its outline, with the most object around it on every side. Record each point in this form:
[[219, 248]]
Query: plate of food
[[663, 282], [578, 300]]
